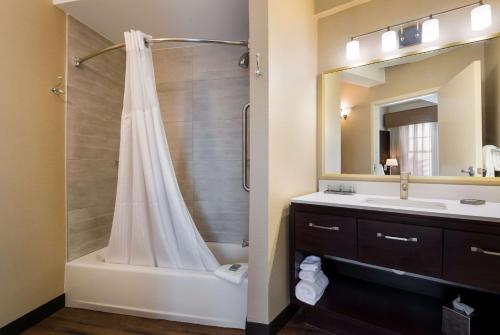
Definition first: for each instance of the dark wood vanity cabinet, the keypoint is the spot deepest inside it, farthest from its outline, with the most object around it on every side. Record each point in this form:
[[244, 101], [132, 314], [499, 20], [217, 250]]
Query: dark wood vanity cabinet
[[326, 234], [391, 273], [403, 247], [472, 258]]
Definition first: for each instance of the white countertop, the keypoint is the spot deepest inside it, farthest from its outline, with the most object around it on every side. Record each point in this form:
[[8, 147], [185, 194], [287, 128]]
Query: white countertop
[[487, 212]]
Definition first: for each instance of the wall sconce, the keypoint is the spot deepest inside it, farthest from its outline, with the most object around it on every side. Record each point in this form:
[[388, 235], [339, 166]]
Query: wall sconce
[[430, 30], [344, 112], [352, 50], [389, 40], [480, 17]]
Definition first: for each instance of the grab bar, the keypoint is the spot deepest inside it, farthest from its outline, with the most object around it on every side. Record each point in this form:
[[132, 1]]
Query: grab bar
[[244, 146]]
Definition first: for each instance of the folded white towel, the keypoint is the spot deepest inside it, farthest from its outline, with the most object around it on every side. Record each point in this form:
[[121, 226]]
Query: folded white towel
[[310, 293], [311, 263], [380, 170], [496, 159], [310, 276], [234, 276]]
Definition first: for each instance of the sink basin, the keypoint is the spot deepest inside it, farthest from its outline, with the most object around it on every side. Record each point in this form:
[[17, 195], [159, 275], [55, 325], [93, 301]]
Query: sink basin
[[406, 203]]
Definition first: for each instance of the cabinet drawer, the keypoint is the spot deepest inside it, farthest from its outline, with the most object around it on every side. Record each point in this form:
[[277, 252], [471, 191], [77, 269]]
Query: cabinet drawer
[[403, 247], [326, 234], [472, 259]]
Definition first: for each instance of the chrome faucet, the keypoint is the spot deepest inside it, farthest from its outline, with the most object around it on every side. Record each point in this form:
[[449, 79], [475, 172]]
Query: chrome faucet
[[404, 182], [470, 171]]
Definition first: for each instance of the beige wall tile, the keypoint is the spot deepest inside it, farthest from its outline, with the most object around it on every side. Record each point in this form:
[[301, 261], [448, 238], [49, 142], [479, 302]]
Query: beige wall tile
[[180, 140], [207, 157], [206, 154], [94, 106], [173, 65], [218, 61], [176, 101], [91, 183], [219, 99]]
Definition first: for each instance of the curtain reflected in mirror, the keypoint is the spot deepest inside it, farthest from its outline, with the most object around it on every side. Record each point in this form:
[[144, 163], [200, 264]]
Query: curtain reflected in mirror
[[415, 146]]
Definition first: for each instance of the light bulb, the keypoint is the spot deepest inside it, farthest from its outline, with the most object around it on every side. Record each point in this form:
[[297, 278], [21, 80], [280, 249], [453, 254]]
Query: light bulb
[[352, 50], [389, 41], [480, 17], [430, 30]]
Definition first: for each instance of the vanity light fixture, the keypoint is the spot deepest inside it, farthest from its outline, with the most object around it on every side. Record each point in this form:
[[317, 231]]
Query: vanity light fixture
[[344, 112], [430, 30], [389, 40], [352, 49], [480, 17]]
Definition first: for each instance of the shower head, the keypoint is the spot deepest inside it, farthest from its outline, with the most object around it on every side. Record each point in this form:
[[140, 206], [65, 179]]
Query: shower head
[[244, 60]]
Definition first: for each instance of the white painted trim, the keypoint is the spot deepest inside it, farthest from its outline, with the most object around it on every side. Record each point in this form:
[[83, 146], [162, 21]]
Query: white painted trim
[[340, 8]]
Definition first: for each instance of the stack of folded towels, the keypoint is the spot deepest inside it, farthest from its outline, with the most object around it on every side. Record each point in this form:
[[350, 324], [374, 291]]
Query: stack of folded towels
[[313, 281]]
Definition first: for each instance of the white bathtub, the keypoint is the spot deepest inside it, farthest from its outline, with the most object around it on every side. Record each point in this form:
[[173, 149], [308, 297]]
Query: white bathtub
[[177, 295]]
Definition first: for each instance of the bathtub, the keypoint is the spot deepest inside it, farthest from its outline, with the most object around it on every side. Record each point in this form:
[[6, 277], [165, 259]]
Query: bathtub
[[176, 295]]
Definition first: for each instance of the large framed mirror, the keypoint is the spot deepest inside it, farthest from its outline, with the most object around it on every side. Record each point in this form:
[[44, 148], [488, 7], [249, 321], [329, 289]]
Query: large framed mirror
[[435, 114]]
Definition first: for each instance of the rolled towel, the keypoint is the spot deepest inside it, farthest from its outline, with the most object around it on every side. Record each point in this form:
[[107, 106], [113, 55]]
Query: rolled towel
[[310, 276], [311, 263], [490, 160], [310, 293], [495, 156], [234, 273]]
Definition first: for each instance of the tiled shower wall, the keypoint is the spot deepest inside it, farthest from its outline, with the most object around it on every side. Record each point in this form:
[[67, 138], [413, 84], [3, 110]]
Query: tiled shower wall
[[94, 104], [202, 92]]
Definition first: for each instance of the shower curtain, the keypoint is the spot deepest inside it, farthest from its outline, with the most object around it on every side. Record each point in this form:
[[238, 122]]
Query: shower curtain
[[151, 224]]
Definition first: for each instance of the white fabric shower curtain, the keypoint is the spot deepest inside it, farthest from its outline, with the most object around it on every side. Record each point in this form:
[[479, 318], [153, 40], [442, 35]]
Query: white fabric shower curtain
[[151, 225]]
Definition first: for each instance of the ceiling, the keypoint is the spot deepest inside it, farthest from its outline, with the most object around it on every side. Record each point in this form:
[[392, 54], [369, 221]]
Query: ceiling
[[212, 19], [374, 74]]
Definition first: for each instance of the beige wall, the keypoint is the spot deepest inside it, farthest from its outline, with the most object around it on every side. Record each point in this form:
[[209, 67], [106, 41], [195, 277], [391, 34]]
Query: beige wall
[[400, 80], [258, 275], [322, 5], [492, 92], [334, 31], [283, 142], [32, 232]]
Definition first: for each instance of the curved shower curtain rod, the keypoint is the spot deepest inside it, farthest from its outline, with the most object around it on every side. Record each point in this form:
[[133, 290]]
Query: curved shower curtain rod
[[80, 60]]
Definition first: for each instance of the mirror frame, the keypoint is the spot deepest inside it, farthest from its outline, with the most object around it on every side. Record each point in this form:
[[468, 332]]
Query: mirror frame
[[324, 175]]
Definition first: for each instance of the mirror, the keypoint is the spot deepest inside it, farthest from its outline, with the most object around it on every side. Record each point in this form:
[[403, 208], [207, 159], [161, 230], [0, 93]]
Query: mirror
[[432, 114]]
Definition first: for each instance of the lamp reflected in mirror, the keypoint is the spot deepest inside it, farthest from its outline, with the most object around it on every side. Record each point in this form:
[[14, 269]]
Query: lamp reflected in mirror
[[390, 163]]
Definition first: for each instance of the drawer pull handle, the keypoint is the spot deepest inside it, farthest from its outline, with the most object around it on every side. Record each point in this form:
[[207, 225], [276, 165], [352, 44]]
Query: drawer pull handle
[[334, 228], [485, 252], [402, 239]]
